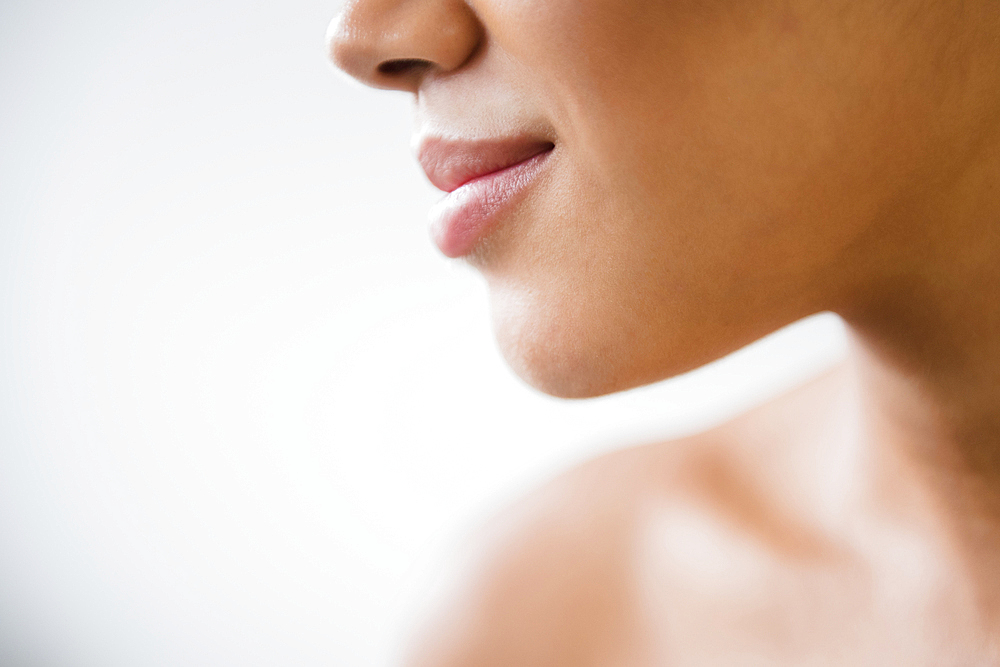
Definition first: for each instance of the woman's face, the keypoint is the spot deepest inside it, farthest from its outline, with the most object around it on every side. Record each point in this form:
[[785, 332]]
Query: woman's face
[[718, 168]]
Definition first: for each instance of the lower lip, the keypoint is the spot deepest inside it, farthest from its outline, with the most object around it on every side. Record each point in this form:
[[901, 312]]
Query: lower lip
[[467, 215]]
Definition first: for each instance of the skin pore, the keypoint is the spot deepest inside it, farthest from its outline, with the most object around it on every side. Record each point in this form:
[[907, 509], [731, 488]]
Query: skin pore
[[722, 168]]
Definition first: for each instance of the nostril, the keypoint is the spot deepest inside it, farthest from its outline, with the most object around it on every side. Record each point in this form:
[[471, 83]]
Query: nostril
[[398, 44], [403, 66]]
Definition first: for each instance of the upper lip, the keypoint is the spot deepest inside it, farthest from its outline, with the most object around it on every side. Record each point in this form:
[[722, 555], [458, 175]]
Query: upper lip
[[451, 163]]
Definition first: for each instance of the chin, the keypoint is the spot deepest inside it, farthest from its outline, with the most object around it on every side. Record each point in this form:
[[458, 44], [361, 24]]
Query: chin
[[572, 352], [579, 344], [558, 372]]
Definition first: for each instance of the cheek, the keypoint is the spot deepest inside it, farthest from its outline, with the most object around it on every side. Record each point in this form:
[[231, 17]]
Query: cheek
[[712, 184]]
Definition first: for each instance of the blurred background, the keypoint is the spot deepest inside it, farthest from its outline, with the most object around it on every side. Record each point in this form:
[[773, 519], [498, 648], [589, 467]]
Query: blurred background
[[246, 409]]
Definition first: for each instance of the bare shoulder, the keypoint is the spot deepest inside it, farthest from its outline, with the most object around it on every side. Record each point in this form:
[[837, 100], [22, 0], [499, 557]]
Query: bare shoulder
[[560, 577], [608, 562], [550, 580]]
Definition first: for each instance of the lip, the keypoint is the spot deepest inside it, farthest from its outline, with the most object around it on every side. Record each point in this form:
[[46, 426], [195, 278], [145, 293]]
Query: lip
[[483, 178]]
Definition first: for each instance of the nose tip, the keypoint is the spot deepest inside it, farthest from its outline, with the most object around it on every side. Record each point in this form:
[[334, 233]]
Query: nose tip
[[396, 43]]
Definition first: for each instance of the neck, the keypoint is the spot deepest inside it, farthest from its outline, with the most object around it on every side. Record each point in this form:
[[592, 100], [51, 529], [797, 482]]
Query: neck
[[931, 381], [927, 351]]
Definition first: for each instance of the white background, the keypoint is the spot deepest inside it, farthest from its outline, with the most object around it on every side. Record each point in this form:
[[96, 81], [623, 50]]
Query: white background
[[245, 406]]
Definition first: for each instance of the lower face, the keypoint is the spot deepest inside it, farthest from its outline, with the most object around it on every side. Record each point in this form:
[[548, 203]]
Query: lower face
[[720, 169]]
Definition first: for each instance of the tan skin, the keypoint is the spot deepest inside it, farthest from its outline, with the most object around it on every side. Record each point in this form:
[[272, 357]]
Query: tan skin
[[723, 168]]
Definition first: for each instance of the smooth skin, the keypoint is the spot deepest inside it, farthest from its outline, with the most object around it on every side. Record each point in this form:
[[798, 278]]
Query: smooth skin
[[723, 168]]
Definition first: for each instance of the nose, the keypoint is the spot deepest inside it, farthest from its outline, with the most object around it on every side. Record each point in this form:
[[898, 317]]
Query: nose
[[397, 43]]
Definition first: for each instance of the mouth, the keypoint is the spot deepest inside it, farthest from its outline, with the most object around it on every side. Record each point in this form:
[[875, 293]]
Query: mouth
[[483, 179]]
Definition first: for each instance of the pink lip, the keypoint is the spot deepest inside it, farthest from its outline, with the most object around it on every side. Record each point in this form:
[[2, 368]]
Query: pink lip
[[482, 178]]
